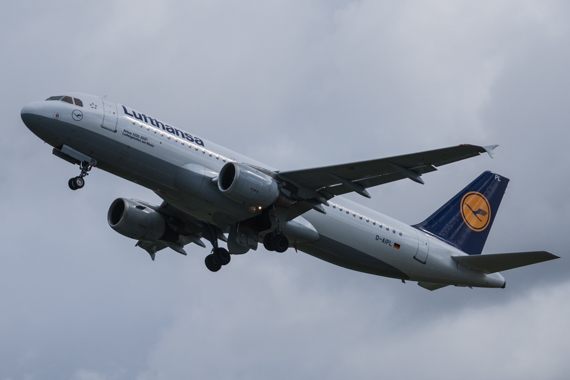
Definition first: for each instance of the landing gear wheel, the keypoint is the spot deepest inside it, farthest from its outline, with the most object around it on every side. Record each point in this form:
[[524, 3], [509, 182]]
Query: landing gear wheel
[[222, 256], [268, 242], [79, 182], [212, 264], [76, 183], [280, 242]]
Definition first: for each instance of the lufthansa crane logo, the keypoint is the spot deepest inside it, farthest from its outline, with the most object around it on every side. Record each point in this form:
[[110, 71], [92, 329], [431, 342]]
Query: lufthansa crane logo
[[475, 211], [77, 115]]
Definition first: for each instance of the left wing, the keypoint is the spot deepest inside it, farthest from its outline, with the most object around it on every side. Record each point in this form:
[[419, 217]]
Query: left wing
[[311, 187], [189, 231]]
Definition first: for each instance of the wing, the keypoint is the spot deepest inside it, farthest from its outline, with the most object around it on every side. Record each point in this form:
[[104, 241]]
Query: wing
[[311, 187], [190, 231], [154, 246]]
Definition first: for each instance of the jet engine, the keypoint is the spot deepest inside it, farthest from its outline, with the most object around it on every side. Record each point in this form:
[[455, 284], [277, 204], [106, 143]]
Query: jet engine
[[135, 220], [247, 185]]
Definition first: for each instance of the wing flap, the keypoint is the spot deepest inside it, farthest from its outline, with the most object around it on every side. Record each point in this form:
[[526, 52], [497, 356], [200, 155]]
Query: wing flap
[[503, 261]]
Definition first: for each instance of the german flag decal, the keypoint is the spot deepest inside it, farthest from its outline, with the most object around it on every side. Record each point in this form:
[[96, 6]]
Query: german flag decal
[[396, 245]]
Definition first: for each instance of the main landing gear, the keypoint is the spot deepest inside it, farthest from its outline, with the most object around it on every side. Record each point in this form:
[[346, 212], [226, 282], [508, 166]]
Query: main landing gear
[[276, 241], [78, 182], [219, 256]]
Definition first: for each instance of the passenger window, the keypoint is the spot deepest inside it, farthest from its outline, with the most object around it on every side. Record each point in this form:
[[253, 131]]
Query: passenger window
[[67, 99], [78, 102]]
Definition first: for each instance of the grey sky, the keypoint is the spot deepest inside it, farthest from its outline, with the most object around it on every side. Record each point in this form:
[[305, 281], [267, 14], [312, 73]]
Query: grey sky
[[294, 84]]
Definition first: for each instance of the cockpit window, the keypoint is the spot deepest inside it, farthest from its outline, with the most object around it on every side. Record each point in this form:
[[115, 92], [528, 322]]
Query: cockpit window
[[67, 99]]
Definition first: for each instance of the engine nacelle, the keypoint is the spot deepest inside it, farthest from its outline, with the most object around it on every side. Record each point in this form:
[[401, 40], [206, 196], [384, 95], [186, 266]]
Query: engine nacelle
[[135, 220], [247, 185]]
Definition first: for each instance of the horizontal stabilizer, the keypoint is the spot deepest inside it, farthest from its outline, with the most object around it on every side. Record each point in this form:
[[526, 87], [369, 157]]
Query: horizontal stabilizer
[[503, 261], [431, 285]]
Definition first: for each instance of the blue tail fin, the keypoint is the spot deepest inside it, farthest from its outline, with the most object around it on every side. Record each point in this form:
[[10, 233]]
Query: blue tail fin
[[465, 221]]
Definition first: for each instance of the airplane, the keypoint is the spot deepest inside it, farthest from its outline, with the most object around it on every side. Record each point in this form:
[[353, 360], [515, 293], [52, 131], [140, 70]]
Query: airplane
[[212, 193]]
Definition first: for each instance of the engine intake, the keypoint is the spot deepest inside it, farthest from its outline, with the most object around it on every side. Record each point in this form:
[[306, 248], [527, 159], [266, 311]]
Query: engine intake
[[135, 220], [247, 185]]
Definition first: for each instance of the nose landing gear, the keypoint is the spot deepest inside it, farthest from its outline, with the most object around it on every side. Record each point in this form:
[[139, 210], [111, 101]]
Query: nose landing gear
[[78, 182]]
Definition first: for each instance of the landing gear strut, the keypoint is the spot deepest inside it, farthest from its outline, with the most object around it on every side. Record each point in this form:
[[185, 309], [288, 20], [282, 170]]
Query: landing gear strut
[[219, 256], [78, 182]]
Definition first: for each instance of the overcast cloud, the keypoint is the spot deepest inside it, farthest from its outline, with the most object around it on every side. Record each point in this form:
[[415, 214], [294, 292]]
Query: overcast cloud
[[293, 84]]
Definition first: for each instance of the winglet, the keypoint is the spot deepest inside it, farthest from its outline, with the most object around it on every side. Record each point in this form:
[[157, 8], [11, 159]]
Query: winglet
[[489, 149]]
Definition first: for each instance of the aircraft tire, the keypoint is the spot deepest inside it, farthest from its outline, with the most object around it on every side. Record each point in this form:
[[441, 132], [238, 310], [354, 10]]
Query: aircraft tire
[[222, 256], [268, 242], [281, 243], [79, 182], [71, 184], [212, 264]]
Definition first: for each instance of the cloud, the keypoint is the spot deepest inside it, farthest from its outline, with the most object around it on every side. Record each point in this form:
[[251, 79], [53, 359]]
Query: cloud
[[293, 84], [322, 336]]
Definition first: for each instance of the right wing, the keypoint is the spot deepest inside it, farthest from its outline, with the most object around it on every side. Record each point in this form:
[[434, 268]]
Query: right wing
[[312, 187]]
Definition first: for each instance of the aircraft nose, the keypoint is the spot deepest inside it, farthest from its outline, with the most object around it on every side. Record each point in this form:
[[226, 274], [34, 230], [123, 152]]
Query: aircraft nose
[[36, 108], [32, 113]]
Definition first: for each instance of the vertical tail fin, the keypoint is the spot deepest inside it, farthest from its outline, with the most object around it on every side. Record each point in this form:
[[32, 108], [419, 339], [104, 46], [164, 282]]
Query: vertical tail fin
[[465, 221]]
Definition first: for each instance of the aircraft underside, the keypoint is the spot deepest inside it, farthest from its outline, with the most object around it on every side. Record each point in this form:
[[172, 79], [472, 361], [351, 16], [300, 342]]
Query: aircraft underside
[[212, 193]]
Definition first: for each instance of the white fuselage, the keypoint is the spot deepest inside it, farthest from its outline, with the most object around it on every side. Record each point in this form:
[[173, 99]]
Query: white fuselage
[[151, 153]]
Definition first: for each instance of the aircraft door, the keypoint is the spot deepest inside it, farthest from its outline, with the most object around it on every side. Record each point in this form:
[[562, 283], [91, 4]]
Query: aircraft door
[[109, 116], [423, 248]]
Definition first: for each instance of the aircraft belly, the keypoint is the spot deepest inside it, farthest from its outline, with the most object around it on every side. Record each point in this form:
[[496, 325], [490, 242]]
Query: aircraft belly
[[118, 158], [347, 242], [348, 257], [155, 166]]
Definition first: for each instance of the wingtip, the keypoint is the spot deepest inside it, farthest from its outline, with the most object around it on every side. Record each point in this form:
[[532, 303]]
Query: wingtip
[[489, 149]]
